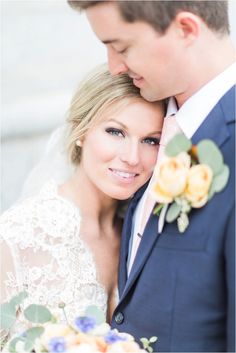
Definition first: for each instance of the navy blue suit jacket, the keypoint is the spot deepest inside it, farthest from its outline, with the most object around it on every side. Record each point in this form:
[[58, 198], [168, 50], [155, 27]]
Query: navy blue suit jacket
[[181, 286]]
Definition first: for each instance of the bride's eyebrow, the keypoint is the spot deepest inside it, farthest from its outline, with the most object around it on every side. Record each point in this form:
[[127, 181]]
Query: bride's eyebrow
[[117, 122], [156, 132]]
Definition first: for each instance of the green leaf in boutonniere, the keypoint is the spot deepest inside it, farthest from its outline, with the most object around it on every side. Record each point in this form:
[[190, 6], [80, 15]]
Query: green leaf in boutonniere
[[209, 153], [179, 143], [157, 209], [173, 212], [219, 181]]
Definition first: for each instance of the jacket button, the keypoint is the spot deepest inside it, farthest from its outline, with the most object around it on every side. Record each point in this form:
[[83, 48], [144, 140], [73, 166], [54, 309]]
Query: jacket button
[[119, 318]]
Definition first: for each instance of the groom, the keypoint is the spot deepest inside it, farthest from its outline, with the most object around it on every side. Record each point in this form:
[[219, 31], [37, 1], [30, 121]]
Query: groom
[[179, 287]]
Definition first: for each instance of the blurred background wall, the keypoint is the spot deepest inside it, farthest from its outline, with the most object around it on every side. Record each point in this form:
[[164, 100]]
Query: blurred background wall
[[46, 49]]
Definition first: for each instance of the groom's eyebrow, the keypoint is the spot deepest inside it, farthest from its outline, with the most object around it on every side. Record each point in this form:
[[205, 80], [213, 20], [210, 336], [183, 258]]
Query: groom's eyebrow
[[110, 41]]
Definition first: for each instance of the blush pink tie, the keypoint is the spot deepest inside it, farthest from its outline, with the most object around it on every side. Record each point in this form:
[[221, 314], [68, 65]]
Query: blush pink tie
[[169, 130]]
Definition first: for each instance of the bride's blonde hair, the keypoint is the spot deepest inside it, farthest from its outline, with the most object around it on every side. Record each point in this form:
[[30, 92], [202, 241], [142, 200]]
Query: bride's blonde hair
[[99, 92]]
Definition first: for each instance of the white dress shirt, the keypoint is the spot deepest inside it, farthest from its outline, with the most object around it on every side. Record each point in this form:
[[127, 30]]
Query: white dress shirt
[[189, 117]]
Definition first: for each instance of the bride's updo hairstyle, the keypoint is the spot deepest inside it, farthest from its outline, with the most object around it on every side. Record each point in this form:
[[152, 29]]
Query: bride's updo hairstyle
[[97, 94]]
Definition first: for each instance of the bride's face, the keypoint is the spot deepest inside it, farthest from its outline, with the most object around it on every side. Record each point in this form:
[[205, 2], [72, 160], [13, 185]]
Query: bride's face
[[120, 152]]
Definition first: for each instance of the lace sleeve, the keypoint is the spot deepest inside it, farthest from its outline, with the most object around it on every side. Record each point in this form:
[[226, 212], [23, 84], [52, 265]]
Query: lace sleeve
[[7, 271], [32, 247], [44, 254]]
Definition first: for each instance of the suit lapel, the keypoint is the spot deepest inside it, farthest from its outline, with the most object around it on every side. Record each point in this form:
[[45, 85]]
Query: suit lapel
[[215, 127], [149, 238], [126, 234]]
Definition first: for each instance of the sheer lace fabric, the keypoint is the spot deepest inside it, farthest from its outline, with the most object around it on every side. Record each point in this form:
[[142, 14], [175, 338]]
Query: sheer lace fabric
[[45, 254]]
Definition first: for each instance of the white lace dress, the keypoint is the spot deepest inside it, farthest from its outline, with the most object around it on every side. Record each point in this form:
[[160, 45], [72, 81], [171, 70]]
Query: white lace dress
[[44, 254]]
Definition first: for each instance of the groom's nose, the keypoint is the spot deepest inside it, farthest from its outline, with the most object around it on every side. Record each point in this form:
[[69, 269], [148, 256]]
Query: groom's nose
[[115, 63]]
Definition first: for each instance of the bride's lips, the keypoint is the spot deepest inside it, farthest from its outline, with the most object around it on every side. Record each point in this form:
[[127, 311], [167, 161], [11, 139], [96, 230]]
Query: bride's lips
[[123, 176]]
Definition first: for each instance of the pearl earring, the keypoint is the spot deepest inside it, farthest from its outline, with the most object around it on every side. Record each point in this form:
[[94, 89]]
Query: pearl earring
[[78, 143]]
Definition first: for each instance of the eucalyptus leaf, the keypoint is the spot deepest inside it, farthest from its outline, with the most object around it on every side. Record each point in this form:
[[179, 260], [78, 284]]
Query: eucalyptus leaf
[[209, 153], [8, 315], [173, 212], [31, 335], [94, 311], [153, 339], [13, 342], [144, 342], [18, 299], [158, 209], [37, 314], [219, 181], [179, 143]]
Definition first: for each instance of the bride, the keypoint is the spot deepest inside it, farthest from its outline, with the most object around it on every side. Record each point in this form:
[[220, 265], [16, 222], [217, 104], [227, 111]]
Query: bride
[[62, 244]]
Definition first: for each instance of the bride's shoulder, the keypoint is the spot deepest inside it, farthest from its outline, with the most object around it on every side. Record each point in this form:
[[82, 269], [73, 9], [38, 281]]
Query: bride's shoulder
[[46, 211], [48, 190]]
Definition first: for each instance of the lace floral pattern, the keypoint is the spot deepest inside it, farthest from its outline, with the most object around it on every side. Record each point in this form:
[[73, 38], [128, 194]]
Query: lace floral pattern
[[50, 259]]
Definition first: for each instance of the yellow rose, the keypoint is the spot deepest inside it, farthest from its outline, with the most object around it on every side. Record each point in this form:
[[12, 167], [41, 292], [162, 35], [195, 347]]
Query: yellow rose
[[171, 178], [198, 185]]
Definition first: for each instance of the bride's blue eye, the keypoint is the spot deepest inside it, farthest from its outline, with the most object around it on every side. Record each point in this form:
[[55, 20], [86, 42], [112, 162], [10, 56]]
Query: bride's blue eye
[[115, 132], [151, 141]]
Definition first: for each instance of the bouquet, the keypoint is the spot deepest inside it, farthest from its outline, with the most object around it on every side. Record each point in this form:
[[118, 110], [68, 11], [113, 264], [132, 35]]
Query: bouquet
[[44, 334]]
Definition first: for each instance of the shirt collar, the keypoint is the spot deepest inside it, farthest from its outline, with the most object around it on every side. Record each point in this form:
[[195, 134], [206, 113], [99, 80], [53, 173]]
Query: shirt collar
[[194, 111]]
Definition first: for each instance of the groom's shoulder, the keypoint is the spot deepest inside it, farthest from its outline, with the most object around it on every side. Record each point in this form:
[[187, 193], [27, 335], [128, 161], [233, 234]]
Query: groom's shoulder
[[227, 104]]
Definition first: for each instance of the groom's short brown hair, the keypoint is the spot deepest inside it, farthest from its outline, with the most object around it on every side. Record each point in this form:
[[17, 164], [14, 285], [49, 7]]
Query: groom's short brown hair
[[160, 14]]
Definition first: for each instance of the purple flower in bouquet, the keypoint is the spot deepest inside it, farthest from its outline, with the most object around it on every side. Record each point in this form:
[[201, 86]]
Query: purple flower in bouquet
[[85, 323], [57, 345], [113, 337]]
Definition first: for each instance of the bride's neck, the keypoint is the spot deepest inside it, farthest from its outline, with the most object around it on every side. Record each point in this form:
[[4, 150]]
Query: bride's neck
[[92, 202]]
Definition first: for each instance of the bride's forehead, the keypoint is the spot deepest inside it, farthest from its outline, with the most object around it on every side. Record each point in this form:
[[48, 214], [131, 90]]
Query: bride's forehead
[[111, 109]]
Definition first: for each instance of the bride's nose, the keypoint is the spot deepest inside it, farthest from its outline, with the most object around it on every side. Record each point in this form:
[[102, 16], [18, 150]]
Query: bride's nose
[[130, 153]]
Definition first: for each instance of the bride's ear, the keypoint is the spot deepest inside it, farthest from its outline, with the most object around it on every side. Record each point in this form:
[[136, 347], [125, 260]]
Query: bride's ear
[[78, 143]]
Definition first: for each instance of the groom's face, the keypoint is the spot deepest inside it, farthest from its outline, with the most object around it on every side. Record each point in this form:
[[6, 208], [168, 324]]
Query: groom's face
[[154, 61]]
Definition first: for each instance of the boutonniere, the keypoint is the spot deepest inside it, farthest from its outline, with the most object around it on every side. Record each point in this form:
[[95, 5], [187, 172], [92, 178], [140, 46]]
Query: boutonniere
[[187, 177]]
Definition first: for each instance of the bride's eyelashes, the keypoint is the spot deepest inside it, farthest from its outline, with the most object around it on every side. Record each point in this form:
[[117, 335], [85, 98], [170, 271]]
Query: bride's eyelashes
[[152, 141], [115, 131]]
